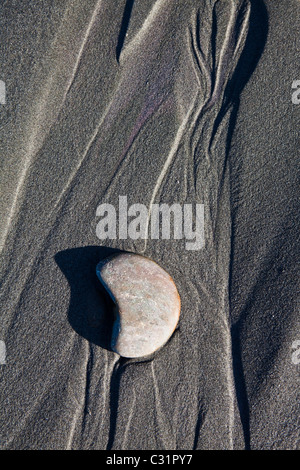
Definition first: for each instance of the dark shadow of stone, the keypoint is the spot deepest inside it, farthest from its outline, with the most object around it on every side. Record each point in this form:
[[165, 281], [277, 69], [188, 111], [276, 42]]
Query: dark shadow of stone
[[90, 310]]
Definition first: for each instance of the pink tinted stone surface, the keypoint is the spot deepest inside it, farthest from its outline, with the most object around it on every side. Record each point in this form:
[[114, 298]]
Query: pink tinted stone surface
[[147, 303]]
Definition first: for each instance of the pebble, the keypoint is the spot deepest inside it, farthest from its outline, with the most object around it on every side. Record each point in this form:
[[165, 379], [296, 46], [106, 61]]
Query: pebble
[[147, 303]]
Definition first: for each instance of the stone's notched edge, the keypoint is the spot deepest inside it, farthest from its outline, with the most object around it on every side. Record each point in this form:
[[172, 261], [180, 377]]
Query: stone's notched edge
[[119, 330], [99, 267]]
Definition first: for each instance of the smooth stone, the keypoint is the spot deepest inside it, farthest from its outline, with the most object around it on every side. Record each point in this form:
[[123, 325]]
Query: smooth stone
[[147, 303]]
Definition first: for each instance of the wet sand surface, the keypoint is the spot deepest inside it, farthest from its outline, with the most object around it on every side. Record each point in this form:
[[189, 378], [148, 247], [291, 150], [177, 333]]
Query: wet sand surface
[[162, 101]]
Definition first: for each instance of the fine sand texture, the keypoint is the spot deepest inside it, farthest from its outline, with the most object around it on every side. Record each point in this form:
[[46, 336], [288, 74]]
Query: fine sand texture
[[161, 101]]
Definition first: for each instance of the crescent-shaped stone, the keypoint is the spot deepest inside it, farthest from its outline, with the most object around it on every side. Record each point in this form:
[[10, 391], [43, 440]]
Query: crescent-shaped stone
[[147, 303]]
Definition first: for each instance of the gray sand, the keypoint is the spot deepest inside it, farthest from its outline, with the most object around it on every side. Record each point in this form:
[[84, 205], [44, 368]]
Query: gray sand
[[161, 101]]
